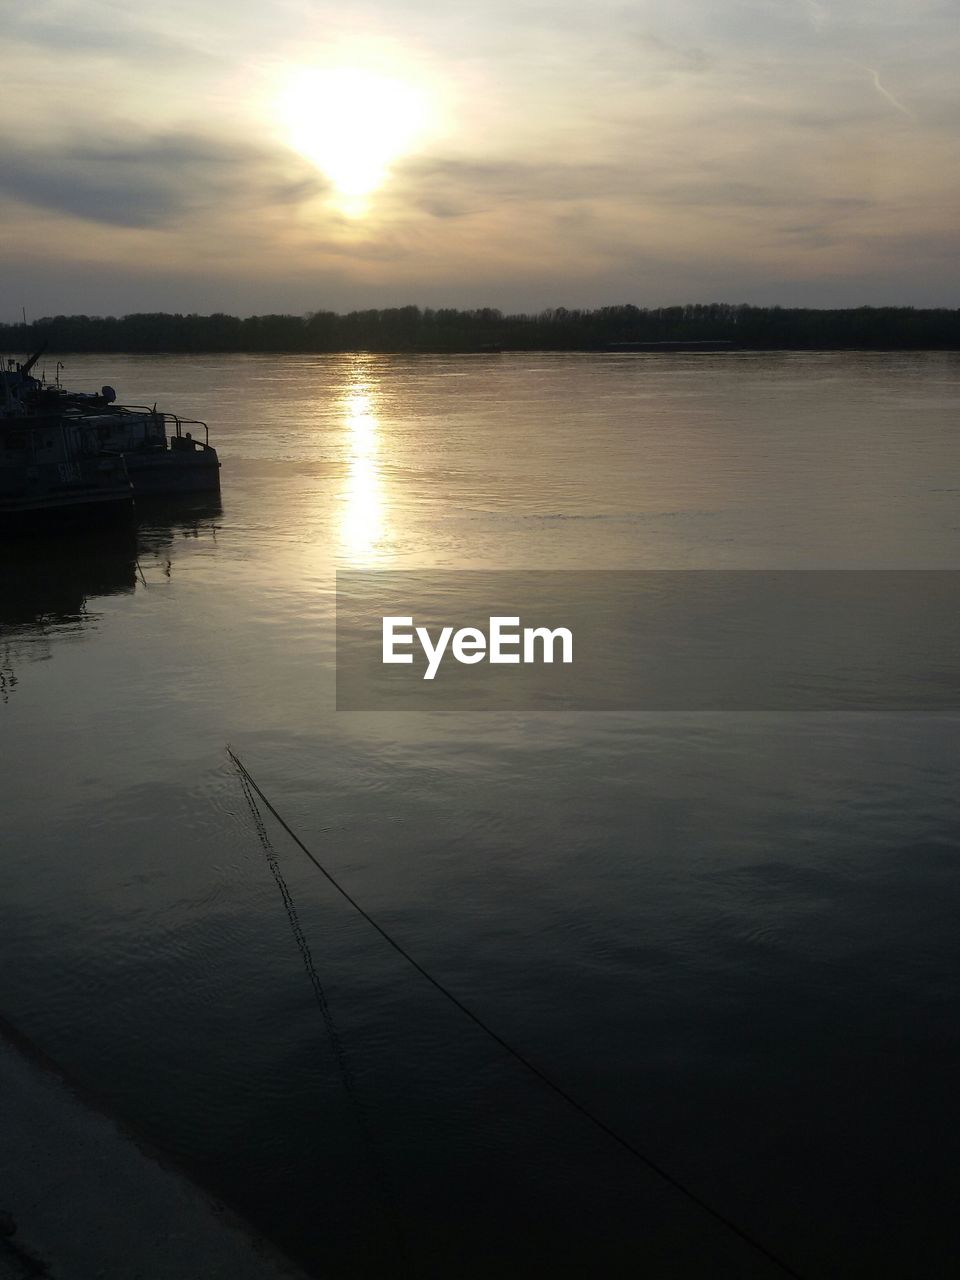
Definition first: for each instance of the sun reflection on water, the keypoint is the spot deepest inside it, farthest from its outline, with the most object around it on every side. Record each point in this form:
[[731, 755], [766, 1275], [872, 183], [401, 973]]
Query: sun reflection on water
[[362, 528]]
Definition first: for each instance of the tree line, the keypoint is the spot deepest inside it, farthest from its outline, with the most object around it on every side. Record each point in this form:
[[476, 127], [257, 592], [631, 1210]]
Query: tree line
[[426, 329]]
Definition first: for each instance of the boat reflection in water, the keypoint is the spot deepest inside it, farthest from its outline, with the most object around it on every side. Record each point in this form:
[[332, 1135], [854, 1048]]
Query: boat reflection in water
[[49, 585], [47, 582], [160, 521], [362, 527]]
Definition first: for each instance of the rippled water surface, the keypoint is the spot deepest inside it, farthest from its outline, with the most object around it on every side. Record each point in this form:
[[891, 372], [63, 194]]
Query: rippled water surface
[[733, 936]]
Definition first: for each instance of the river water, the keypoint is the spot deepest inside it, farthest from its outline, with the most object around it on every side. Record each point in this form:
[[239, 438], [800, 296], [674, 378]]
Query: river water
[[732, 936]]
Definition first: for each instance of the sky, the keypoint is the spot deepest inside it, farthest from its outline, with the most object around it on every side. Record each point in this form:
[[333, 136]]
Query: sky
[[295, 156]]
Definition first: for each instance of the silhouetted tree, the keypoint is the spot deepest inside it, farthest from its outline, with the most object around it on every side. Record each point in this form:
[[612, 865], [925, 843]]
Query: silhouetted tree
[[447, 329]]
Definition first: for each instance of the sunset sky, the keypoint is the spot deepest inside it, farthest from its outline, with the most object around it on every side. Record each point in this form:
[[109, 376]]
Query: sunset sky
[[296, 156]]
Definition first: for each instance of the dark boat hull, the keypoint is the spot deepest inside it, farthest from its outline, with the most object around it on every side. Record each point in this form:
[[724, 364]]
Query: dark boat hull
[[48, 513], [169, 471]]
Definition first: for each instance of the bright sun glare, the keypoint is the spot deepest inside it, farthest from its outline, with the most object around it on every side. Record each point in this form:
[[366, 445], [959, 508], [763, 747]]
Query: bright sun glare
[[352, 125]]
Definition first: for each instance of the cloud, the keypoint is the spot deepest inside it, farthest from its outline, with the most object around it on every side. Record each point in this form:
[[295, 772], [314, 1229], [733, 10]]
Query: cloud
[[448, 187], [632, 147], [817, 14], [153, 182], [364, 250], [101, 32], [882, 90]]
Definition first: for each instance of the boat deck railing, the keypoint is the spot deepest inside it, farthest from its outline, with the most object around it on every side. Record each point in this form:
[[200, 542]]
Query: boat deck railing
[[172, 421], [189, 422]]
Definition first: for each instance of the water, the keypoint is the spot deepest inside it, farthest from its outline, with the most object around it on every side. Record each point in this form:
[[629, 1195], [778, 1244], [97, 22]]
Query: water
[[733, 936]]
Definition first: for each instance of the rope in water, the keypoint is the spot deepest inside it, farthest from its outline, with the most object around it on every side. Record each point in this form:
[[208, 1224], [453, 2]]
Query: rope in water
[[718, 1216], [379, 1176]]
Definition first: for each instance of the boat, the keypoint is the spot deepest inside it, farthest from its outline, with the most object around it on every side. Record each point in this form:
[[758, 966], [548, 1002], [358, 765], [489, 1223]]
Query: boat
[[163, 455], [162, 452], [50, 477], [52, 472]]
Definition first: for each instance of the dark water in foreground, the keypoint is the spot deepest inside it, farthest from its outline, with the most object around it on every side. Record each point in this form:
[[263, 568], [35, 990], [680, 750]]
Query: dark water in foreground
[[732, 935]]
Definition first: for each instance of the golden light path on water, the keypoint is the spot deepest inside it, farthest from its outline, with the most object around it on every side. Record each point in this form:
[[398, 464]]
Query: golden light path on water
[[362, 527]]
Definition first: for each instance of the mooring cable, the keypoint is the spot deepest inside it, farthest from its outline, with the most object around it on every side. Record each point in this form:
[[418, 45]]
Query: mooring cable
[[718, 1216], [320, 996], [379, 1176]]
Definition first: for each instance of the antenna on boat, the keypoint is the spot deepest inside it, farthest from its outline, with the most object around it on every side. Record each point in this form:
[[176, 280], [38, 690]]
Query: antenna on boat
[[28, 364]]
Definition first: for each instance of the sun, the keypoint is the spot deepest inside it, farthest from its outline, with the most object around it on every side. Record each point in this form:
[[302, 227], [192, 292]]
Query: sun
[[352, 125]]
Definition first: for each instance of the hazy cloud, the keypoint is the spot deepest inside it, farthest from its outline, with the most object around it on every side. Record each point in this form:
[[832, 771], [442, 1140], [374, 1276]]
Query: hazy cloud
[[447, 187], [152, 182], [884, 92], [103, 31], [631, 150]]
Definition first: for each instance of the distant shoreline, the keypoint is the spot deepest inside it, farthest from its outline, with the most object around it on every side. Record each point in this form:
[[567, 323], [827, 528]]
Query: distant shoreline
[[487, 331], [668, 349]]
